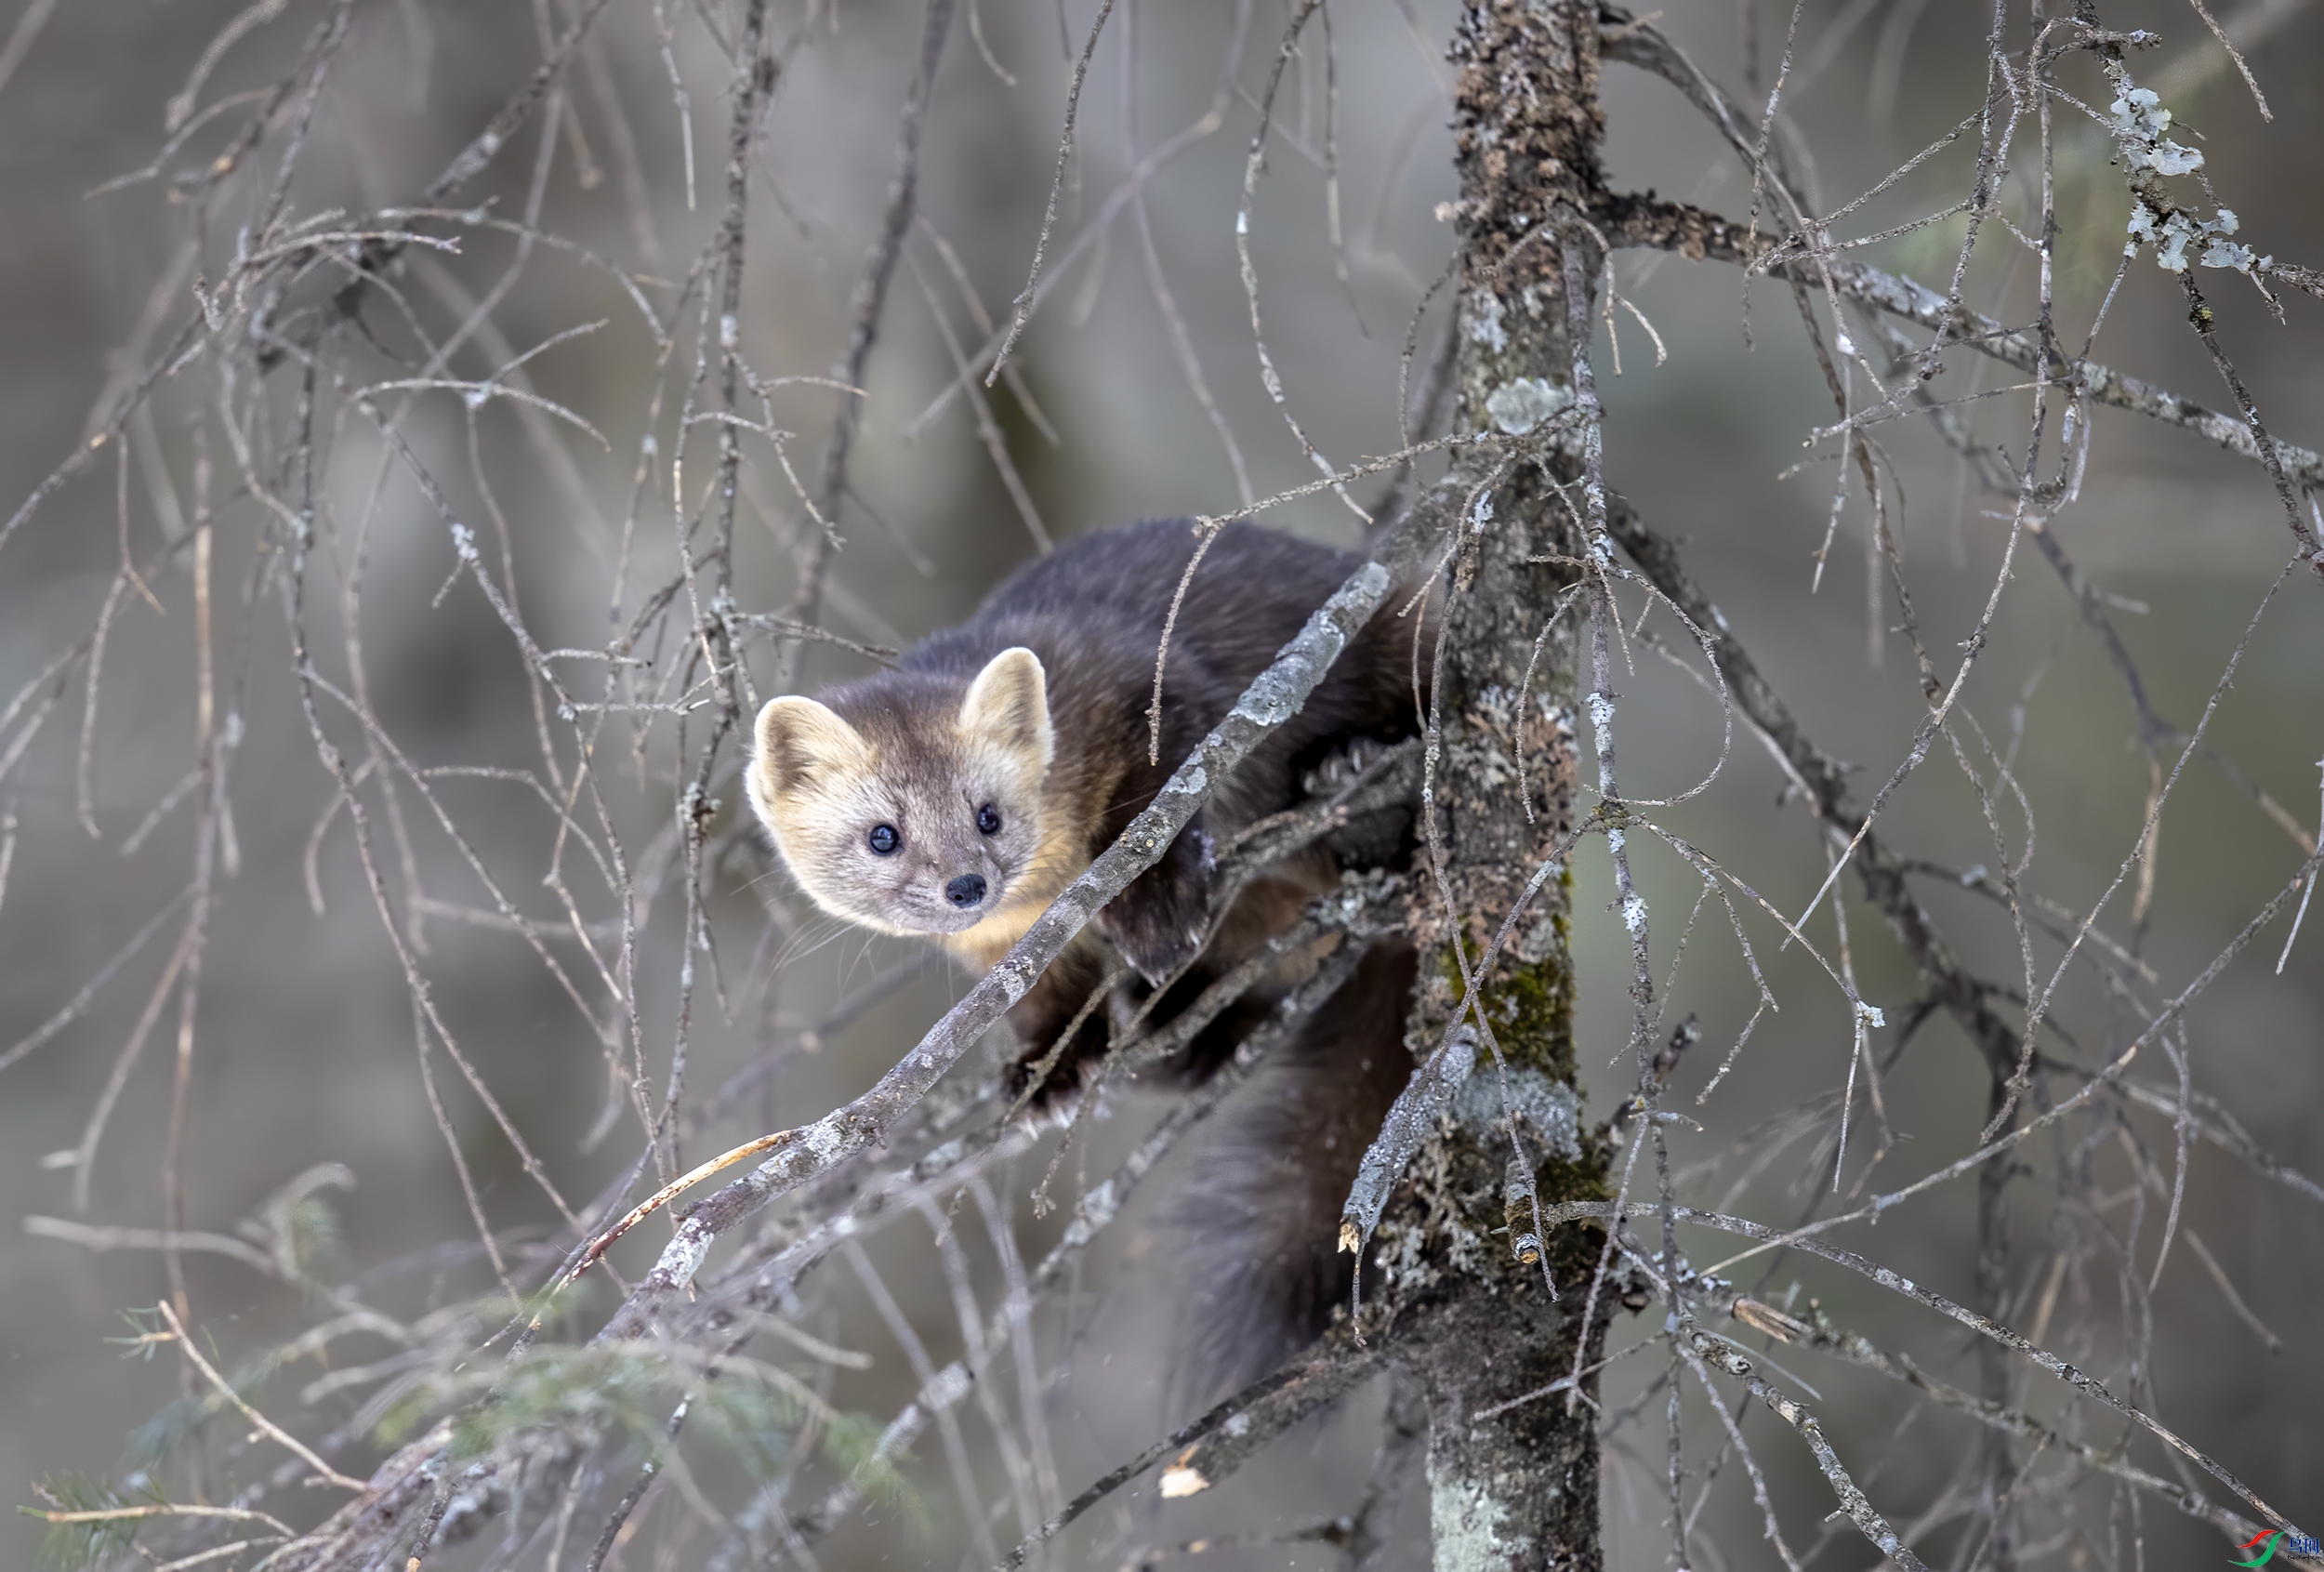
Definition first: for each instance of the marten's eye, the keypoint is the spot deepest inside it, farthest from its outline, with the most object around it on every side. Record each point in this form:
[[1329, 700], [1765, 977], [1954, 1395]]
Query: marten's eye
[[988, 820], [884, 839]]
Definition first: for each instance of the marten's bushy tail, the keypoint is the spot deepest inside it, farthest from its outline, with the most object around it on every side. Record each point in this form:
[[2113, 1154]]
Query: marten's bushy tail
[[1259, 1227]]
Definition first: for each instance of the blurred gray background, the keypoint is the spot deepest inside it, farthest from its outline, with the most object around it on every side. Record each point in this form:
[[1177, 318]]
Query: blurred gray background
[[304, 1050]]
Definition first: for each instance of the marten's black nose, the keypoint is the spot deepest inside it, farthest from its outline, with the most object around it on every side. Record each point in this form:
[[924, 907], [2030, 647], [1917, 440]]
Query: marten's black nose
[[966, 891]]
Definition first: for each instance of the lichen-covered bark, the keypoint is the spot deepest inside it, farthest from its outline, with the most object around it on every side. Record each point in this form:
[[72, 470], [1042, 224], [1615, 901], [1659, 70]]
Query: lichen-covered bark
[[1517, 1488], [1528, 125]]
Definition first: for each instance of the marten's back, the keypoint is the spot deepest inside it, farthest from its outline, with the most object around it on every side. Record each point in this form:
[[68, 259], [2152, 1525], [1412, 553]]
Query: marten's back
[[1255, 587], [1095, 611]]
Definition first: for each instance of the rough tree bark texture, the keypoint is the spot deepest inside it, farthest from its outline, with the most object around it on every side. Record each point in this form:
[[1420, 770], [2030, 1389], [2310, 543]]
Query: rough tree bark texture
[[1519, 1488]]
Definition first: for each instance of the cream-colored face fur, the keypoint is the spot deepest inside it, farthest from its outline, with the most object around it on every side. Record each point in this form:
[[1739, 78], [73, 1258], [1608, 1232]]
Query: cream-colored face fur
[[926, 776]]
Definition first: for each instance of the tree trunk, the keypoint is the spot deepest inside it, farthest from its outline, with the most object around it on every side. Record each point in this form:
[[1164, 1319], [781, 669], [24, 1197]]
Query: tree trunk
[[1518, 1489]]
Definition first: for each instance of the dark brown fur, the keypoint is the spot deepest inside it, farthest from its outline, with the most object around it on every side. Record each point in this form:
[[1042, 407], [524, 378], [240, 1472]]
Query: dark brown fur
[[1093, 613]]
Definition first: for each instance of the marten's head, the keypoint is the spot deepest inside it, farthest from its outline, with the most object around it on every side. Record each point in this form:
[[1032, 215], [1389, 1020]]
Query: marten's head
[[909, 801]]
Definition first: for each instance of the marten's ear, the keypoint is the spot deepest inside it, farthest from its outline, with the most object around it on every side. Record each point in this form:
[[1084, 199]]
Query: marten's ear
[[1007, 707], [800, 743]]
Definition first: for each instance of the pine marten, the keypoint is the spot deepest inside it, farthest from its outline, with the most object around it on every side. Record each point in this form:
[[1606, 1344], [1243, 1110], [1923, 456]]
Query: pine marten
[[955, 795]]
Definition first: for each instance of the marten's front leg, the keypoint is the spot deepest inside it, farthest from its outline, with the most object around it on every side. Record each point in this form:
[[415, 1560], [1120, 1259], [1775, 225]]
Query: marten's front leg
[[1050, 1068], [1158, 923]]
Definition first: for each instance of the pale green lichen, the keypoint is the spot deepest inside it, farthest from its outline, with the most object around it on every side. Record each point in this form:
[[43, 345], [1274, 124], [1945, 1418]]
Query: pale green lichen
[[1522, 404]]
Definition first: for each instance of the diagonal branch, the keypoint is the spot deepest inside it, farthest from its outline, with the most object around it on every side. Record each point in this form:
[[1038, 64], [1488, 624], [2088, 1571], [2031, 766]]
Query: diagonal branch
[[1853, 1348], [1869, 1522], [2072, 1375]]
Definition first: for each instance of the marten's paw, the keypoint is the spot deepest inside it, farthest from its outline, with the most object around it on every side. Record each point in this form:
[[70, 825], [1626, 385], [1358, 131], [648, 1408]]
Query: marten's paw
[[1155, 942], [1343, 766], [1054, 1100], [1157, 924]]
